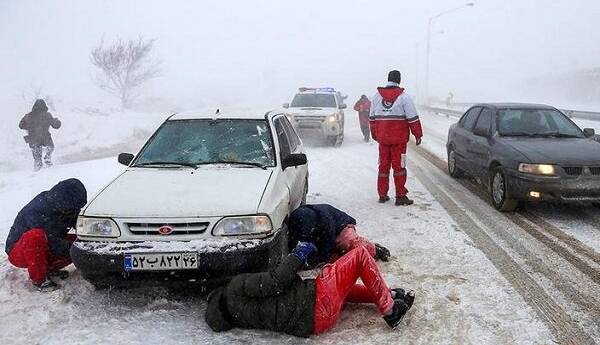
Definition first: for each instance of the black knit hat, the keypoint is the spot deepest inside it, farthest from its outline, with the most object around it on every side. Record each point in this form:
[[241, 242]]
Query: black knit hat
[[394, 76]]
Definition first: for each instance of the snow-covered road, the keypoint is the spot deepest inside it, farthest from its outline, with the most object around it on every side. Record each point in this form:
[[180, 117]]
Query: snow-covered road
[[480, 278]]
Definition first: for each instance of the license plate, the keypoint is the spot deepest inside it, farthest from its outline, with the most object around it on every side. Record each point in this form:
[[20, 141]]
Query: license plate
[[160, 261]]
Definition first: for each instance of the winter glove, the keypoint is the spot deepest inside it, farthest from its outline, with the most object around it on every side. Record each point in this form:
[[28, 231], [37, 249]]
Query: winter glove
[[382, 253], [418, 141], [303, 250]]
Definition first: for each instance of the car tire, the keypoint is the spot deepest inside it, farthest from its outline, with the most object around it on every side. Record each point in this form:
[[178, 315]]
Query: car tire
[[596, 204], [331, 140], [498, 190], [453, 168]]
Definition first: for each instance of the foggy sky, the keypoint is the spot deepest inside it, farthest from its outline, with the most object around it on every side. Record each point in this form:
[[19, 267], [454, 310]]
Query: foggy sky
[[258, 52]]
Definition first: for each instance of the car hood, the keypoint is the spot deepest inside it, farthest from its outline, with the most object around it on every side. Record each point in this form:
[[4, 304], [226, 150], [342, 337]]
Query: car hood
[[206, 191], [562, 151], [313, 111]]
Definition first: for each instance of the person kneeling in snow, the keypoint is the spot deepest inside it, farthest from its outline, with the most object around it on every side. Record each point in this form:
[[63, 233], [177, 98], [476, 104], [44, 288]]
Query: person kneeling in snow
[[332, 231], [38, 239], [279, 300]]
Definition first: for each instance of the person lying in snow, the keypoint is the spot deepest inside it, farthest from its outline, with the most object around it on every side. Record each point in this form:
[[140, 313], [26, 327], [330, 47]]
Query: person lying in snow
[[280, 301], [331, 230], [38, 239]]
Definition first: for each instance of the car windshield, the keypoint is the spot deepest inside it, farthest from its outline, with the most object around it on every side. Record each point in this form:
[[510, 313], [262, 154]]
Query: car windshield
[[194, 142], [536, 123], [314, 100]]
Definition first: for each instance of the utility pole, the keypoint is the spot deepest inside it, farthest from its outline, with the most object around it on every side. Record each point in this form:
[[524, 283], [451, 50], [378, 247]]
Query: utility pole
[[428, 48]]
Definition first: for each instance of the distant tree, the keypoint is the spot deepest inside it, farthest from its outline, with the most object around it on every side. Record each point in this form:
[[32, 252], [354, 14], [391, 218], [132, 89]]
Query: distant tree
[[124, 66]]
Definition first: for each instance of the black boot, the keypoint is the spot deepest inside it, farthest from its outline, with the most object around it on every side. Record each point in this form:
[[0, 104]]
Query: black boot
[[398, 311], [62, 274], [384, 199], [403, 201], [382, 253], [46, 286]]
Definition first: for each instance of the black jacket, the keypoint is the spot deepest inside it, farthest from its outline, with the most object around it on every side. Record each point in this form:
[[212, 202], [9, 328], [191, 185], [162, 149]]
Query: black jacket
[[319, 224], [54, 211], [38, 123], [277, 301]]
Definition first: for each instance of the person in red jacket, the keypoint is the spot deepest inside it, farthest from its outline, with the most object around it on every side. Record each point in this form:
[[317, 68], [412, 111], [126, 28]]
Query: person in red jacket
[[393, 118], [363, 106]]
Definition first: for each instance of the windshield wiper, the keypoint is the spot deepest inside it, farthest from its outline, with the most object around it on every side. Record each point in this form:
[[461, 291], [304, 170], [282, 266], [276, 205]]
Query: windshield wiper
[[558, 134], [253, 164], [517, 134], [183, 164]]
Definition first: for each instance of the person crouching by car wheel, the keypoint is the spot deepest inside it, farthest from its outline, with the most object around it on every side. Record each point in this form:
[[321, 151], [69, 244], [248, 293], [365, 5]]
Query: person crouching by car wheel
[[38, 239], [280, 301], [333, 231]]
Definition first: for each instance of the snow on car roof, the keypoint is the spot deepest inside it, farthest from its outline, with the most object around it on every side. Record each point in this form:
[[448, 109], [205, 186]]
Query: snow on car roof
[[223, 113]]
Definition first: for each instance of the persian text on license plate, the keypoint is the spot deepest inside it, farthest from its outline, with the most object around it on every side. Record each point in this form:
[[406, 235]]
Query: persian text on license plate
[[160, 261]]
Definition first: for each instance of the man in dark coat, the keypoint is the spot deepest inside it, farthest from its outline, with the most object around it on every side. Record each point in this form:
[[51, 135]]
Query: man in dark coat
[[363, 107], [37, 124], [333, 231], [38, 239], [281, 301]]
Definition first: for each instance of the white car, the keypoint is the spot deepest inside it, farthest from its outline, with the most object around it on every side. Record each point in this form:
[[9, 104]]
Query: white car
[[318, 111], [207, 197]]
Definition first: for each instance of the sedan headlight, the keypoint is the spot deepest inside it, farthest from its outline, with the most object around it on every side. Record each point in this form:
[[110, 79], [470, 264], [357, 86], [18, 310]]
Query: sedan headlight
[[246, 225], [97, 227], [538, 169]]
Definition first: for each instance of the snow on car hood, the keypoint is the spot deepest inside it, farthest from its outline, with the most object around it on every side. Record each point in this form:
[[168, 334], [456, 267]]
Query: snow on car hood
[[562, 151], [206, 191], [313, 111]]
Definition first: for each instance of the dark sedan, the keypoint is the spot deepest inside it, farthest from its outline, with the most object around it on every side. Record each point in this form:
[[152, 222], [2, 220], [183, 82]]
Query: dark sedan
[[525, 152]]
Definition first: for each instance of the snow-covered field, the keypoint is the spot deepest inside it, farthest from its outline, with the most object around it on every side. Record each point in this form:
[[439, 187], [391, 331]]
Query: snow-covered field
[[461, 299]]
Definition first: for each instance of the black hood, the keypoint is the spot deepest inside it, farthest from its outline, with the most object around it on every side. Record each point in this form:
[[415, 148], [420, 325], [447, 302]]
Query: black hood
[[562, 151], [68, 195], [39, 106]]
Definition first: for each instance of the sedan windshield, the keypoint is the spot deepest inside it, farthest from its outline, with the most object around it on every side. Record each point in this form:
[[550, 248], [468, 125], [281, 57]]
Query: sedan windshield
[[536, 123], [195, 142], [314, 100]]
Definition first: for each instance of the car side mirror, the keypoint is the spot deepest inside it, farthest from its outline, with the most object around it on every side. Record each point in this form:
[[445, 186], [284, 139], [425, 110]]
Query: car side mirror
[[343, 106], [482, 132], [293, 160], [286, 105], [589, 132], [125, 158]]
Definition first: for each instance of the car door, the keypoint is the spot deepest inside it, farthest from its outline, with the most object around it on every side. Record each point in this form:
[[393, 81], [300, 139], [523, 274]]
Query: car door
[[481, 141], [290, 174], [463, 137], [301, 177]]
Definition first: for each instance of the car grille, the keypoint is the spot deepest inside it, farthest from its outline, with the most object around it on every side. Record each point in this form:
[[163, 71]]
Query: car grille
[[576, 171], [310, 121], [178, 228], [583, 195]]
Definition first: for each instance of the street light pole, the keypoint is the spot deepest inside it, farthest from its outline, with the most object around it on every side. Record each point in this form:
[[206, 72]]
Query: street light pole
[[429, 23]]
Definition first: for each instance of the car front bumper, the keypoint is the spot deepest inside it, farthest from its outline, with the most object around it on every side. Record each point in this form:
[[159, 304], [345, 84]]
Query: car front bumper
[[563, 189], [102, 263]]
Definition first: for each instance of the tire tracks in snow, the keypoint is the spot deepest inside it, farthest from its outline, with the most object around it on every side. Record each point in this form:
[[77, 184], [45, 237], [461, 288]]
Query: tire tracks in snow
[[560, 322]]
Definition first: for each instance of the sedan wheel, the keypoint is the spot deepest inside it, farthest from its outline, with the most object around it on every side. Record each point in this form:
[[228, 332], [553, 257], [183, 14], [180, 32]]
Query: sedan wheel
[[499, 195], [453, 169]]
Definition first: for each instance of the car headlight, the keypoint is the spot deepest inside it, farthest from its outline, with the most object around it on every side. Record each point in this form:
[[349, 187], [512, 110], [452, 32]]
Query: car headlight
[[245, 225], [97, 227], [332, 118], [537, 169]]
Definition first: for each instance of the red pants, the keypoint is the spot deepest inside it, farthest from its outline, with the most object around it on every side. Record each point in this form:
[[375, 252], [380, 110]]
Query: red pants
[[31, 252], [392, 156], [349, 239], [336, 284]]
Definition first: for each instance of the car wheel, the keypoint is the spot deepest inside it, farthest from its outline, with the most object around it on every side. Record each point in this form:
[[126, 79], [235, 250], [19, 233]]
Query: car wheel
[[500, 198], [331, 140], [453, 168]]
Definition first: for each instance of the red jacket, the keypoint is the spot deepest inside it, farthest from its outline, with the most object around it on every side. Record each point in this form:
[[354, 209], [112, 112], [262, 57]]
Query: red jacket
[[363, 106], [393, 116]]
